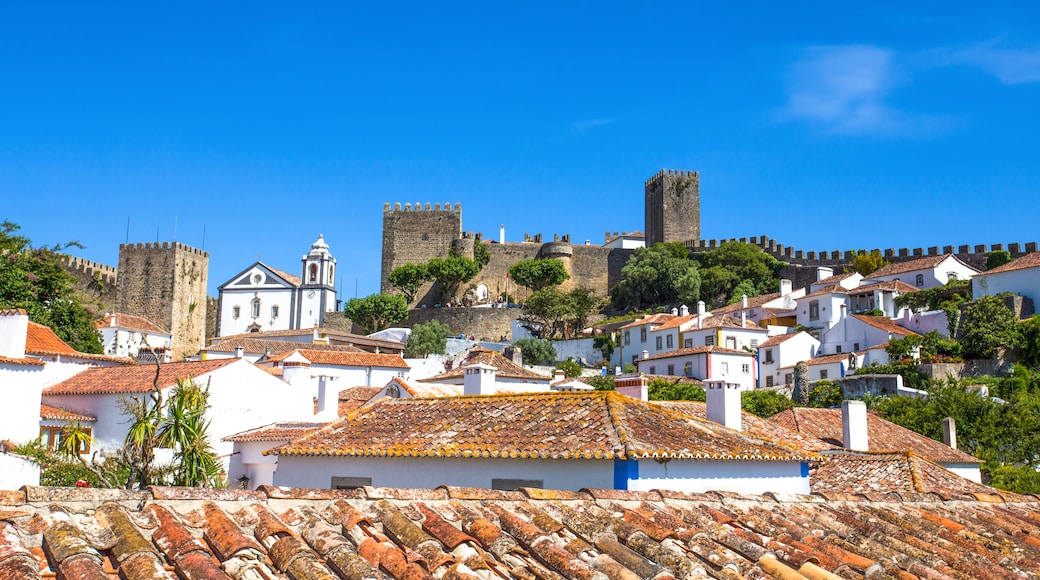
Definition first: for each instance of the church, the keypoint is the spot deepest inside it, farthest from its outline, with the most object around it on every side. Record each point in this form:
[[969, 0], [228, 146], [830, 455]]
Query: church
[[262, 298]]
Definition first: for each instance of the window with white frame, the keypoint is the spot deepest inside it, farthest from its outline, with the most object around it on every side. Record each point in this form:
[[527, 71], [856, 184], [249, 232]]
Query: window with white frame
[[769, 355], [725, 368], [628, 337], [255, 308], [754, 343], [814, 310], [642, 334], [745, 369], [731, 342], [236, 311], [274, 311], [688, 343], [769, 381]]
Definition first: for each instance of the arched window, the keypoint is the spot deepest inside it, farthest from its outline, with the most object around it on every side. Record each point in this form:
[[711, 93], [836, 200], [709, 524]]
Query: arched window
[[920, 280], [332, 277], [255, 308], [312, 277]]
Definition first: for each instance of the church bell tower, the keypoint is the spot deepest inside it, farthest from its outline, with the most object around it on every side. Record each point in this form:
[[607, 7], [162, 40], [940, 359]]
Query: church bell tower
[[317, 285]]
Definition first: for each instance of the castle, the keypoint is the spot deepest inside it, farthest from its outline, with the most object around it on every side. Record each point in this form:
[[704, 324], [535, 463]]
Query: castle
[[417, 233]]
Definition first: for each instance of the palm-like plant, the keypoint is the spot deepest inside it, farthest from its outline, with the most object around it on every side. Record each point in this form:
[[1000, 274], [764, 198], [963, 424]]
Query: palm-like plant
[[185, 429], [75, 439]]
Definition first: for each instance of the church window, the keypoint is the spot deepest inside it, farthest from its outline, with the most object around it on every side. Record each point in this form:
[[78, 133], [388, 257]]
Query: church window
[[236, 311], [313, 276], [332, 278], [255, 313], [274, 311]]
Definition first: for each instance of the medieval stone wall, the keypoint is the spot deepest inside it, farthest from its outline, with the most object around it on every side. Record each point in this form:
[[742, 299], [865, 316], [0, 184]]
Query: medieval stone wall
[[672, 211], [167, 284], [95, 282], [414, 235]]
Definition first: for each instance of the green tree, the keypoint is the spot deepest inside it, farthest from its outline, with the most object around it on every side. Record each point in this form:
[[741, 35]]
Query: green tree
[[408, 278], [185, 429], [536, 351], [605, 343], [866, 263], [426, 339], [1030, 331], [825, 394], [659, 389], [549, 307], [580, 303], [451, 273], [33, 279], [601, 383], [481, 254], [997, 258], [744, 288], [570, 368], [725, 267], [539, 274], [904, 348], [376, 312], [658, 276], [764, 403], [988, 325]]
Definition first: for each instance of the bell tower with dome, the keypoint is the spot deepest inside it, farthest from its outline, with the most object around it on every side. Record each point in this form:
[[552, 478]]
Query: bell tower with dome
[[317, 285]]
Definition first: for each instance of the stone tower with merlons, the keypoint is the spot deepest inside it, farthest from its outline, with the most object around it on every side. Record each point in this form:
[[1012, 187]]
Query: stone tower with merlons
[[673, 207]]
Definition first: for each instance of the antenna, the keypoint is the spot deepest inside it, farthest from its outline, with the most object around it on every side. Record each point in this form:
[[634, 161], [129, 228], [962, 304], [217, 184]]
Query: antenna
[[157, 234], [127, 230]]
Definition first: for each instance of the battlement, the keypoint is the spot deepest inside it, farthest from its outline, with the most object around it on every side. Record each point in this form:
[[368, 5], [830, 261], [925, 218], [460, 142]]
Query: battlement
[[164, 246], [838, 257], [671, 173], [419, 207]]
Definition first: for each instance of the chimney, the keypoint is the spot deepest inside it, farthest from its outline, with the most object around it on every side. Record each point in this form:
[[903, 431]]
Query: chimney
[[112, 321], [328, 400], [785, 287], [297, 374], [14, 326], [949, 427], [240, 352], [684, 310], [558, 375], [675, 312], [646, 354], [479, 380], [842, 312], [723, 401], [634, 386], [823, 272], [743, 310], [515, 354], [854, 426], [700, 313], [502, 234]]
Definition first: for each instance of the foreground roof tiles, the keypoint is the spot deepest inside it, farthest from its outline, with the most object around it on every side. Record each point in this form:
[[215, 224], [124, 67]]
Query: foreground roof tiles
[[596, 425], [133, 378], [459, 533], [50, 413], [504, 368], [1030, 260], [351, 359], [851, 472], [40, 339]]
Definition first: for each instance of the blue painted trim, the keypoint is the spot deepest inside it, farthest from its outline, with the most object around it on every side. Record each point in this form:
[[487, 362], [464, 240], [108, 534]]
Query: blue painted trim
[[805, 469], [626, 470]]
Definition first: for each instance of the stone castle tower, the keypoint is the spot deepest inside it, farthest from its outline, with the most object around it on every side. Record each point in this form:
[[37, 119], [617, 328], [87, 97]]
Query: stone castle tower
[[673, 207], [415, 235], [167, 284]]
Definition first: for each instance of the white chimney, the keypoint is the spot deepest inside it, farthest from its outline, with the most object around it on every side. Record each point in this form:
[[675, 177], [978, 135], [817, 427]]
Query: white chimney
[[635, 386], [823, 272], [675, 312], [14, 326], [502, 234], [558, 375], [743, 310], [723, 401], [949, 427], [700, 313], [684, 310], [854, 426], [646, 354], [328, 400], [297, 374], [785, 287], [479, 379], [240, 352], [112, 321]]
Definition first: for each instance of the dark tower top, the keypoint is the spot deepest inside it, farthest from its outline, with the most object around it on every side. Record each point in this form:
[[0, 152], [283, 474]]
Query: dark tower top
[[673, 207]]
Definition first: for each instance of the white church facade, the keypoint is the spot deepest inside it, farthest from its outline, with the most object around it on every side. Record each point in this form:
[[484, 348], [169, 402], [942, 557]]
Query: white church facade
[[262, 298]]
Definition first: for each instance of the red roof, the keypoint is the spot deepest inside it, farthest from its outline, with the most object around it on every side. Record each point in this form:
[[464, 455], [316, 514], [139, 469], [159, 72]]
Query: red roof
[[650, 319], [886, 324], [503, 368], [281, 431], [130, 322], [696, 350], [21, 361], [133, 378], [40, 339], [900, 472], [349, 359], [55, 414], [1030, 260], [925, 263], [779, 339], [891, 285], [294, 280]]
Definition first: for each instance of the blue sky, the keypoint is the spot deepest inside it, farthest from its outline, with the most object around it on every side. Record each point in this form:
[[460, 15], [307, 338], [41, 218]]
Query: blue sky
[[264, 124]]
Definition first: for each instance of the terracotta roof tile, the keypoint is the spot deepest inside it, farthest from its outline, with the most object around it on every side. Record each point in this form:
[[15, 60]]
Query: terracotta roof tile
[[891, 285], [883, 436], [828, 359], [924, 263], [290, 278], [340, 358], [40, 339], [753, 302], [858, 473], [55, 414], [697, 350], [712, 320], [504, 368], [754, 425], [660, 318], [280, 431], [832, 280], [886, 324], [599, 425], [335, 337], [778, 339], [22, 361], [834, 289], [1030, 260], [130, 322], [272, 346], [133, 378]]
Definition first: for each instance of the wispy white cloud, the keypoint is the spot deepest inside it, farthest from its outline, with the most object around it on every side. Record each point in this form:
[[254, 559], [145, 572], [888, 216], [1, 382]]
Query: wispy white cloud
[[1011, 66], [582, 126], [844, 88]]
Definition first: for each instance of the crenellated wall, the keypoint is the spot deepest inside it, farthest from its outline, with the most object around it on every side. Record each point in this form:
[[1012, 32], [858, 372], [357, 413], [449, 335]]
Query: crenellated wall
[[417, 233]]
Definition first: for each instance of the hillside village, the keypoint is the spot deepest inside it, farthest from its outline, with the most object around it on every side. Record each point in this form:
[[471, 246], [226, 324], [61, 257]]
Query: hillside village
[[639, 446]]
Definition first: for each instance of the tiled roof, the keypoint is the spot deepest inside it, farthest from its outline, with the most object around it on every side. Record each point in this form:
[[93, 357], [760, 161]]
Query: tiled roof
[[335, 336], [280, 431], [696, 350], [55, 414], [650, 319], [753, 425], [12, 312], [833, 280], [505, 367], [752, 302], [133, 378], [711, 321], [886, 324], [1030, 260], [40, 339], [883, 436], [835, 289], [891, 285], [597, 425], [294, 280], [828, 359], [130, 322], [901, 472], [21, 361], [274, 346], [925, 263], [349, 359], [778, 339], [462, 533], [354, 397]]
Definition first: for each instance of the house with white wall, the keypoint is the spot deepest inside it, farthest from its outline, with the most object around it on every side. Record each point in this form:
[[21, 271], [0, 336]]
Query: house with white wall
[[249, 468], [304, 367], [783, 352], [635, 337], [565, 441], [776, 309], [879, 296], [704, 363], [826, 277], [507, 373], [241, 396], [924, 273], [1020, 277], [820, 310], [127, 335], [857, 332]]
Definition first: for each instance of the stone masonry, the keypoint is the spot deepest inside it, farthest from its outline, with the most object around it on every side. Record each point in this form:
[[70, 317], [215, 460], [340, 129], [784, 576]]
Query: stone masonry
[[673, 207]]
